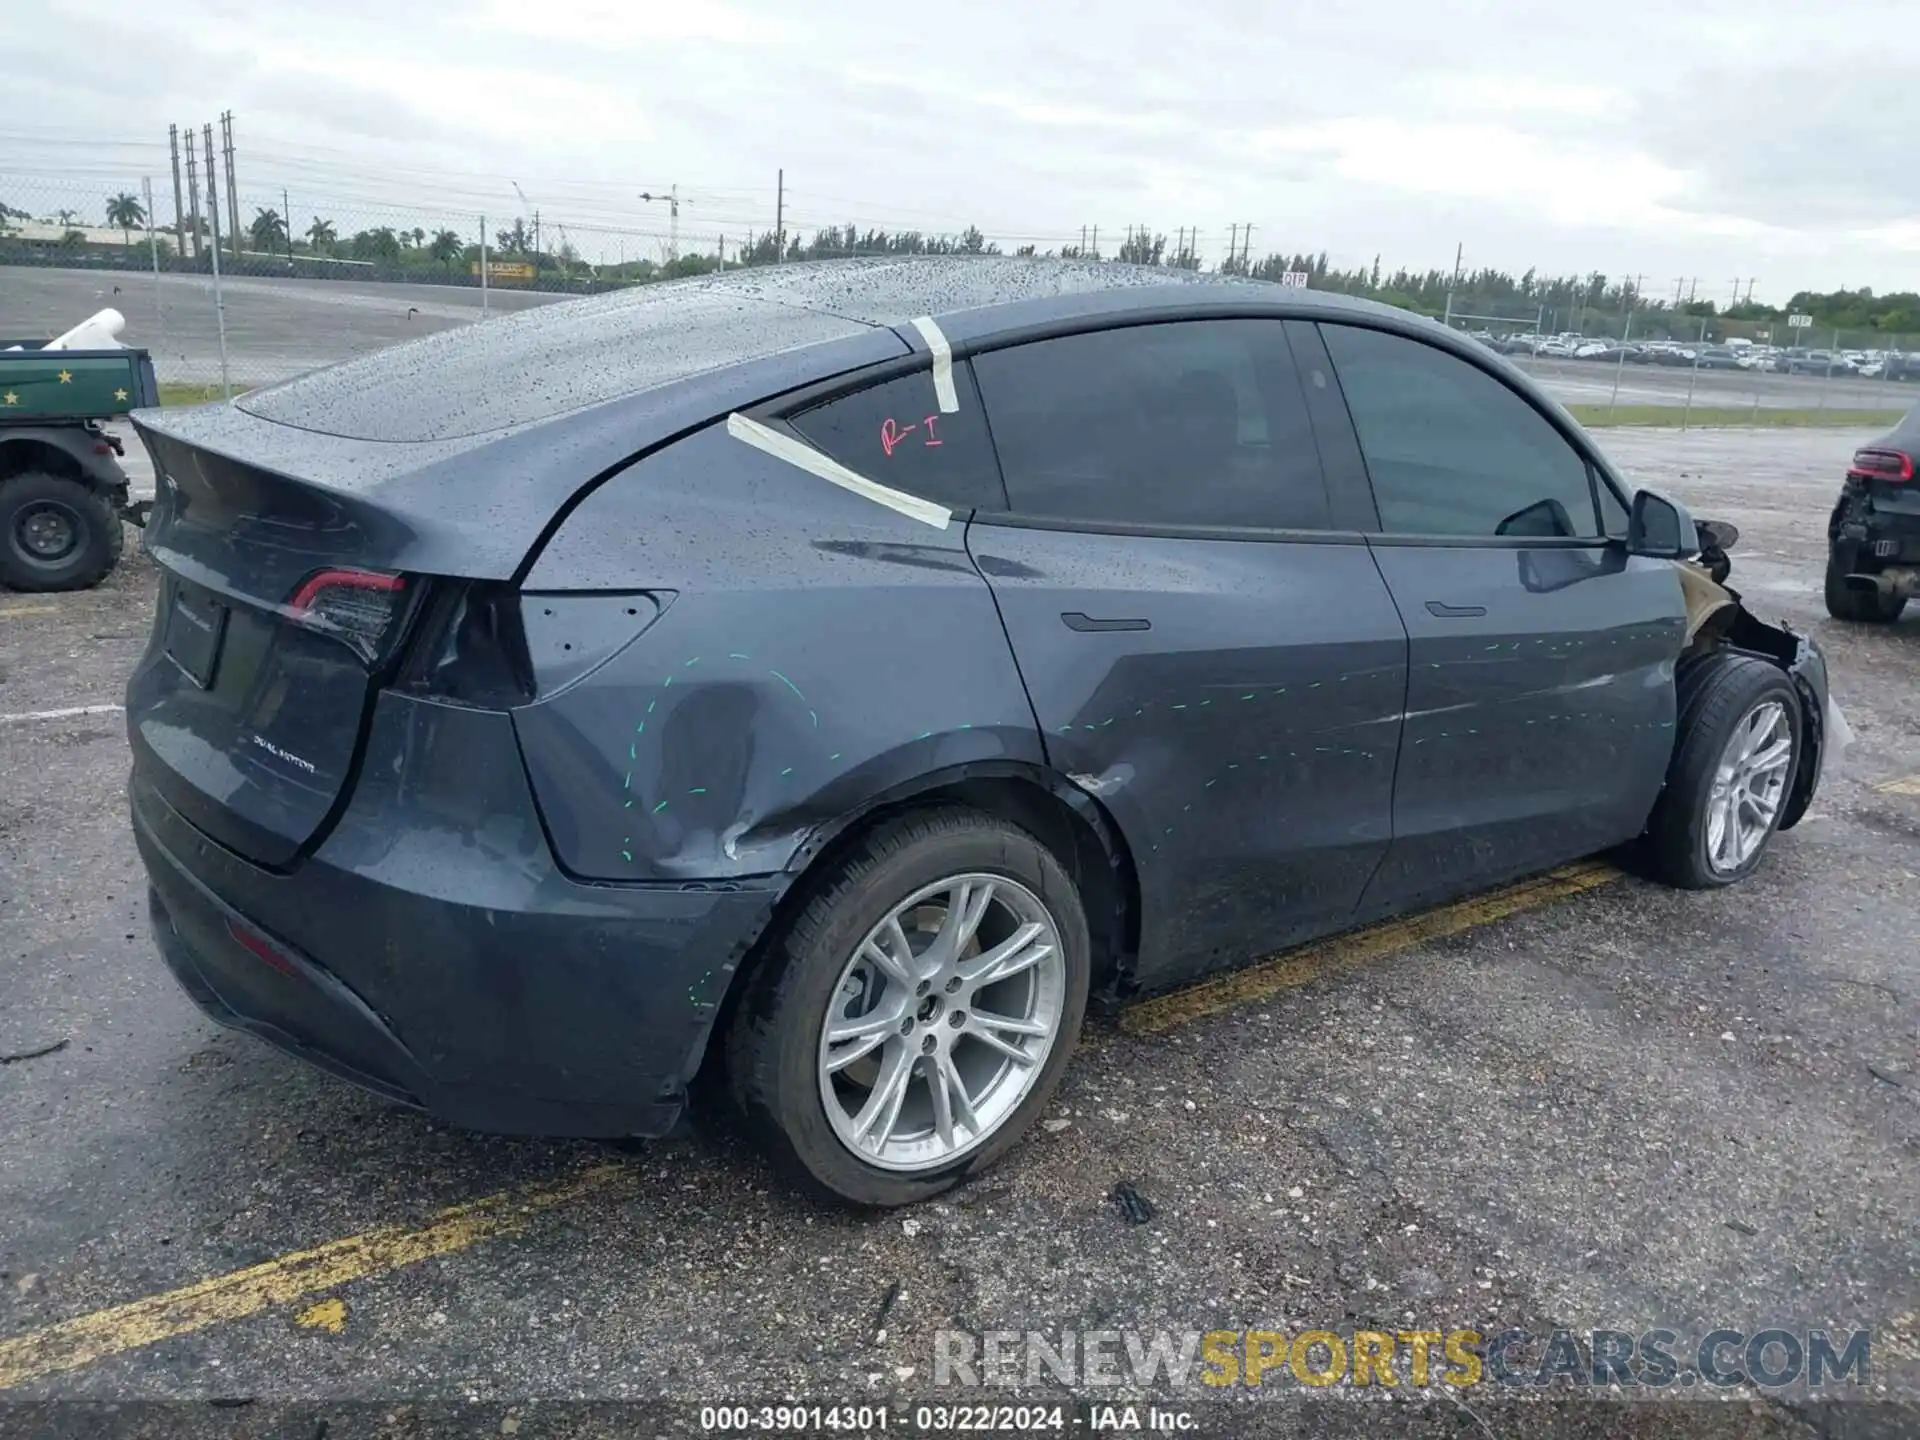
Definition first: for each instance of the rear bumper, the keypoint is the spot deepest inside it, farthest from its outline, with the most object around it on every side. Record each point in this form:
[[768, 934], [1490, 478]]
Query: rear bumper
[[438, 958]]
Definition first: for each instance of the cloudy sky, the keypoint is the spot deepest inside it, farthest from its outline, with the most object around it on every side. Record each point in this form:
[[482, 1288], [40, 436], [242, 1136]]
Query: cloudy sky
[[1709, 139]]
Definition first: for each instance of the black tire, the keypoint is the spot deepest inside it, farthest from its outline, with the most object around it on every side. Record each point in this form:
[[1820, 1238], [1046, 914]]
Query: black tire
[[1846, 603], [772, 1051], [1716, 693], [85, 553]]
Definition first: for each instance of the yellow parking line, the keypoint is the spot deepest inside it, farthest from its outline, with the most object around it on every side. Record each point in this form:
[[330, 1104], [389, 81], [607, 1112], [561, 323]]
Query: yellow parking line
[[8, 611], [1348, 952], [1905, 785], [88, 1338]]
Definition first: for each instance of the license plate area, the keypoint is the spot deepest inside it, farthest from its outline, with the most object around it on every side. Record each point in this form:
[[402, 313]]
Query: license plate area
[[196, 626]]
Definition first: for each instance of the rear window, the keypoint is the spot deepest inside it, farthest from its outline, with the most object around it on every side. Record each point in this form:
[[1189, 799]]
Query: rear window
[[895, 433], [1185, 424]]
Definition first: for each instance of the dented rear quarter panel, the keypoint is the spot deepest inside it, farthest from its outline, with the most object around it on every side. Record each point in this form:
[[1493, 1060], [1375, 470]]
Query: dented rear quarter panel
[[814, 650]]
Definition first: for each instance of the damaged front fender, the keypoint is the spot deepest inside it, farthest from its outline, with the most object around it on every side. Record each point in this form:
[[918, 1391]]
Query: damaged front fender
[[1717, 618]]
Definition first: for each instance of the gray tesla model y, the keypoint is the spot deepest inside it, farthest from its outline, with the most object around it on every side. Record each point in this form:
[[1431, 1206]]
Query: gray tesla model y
[[841, 671]]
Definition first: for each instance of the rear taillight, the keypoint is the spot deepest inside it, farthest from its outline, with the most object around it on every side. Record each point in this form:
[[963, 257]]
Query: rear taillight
[[1874, 463], [357, 606]]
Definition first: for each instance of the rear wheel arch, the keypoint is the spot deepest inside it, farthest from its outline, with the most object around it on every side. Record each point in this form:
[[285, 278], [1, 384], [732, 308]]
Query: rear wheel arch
[[27, 455], [1071, 824]]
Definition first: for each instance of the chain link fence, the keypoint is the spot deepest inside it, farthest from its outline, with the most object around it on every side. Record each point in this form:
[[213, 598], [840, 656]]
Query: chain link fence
[[304, 285]]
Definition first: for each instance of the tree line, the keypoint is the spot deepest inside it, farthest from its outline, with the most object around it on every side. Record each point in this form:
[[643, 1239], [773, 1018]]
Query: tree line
[[1481, 298]]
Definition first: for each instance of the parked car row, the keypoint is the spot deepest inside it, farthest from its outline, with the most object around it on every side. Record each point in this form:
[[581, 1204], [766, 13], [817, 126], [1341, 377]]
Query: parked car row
[[1734, 355]]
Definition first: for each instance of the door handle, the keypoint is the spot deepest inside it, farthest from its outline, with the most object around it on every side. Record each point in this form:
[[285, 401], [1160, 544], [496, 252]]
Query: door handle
[[1076, 621], [1454, 612]]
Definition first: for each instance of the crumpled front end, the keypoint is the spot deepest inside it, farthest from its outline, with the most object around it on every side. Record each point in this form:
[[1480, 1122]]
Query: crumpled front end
[[1717, 617]]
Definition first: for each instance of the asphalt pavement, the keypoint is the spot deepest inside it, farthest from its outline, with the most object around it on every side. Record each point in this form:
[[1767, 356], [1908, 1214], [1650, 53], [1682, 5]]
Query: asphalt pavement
[[1595, 1103]]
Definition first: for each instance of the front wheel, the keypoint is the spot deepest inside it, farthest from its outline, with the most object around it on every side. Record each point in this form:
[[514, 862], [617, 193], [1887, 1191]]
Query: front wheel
[[56, 533], [915, 1017], [1733, 765]]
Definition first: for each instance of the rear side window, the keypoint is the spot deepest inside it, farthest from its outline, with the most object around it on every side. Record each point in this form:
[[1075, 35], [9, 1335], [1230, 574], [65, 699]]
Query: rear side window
[[1451, 450], [894, 433], [1197, 423]]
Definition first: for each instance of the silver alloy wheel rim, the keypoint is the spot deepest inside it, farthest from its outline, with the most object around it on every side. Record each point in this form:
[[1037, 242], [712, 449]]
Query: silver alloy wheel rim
[[1748, 786], [941, 1022]]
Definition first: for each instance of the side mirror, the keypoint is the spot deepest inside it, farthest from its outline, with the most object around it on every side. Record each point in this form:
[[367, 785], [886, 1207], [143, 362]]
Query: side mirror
[[1660, 529]]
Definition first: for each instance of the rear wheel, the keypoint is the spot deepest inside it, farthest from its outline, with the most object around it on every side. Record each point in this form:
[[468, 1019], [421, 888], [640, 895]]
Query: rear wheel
[[1846, 603], [916, 1016], [1732, 769], [55, 533]]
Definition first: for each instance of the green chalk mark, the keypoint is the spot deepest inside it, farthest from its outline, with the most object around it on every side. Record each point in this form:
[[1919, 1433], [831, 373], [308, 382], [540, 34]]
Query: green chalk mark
[[698, 790], [787, 771], [736, 655], [661, 806], [626, 855], [689, 663], [788, 683]]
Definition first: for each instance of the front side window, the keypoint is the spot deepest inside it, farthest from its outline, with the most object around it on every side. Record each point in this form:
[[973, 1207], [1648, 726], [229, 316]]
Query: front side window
[[1196, 423], [896, 434], [1450, 449]]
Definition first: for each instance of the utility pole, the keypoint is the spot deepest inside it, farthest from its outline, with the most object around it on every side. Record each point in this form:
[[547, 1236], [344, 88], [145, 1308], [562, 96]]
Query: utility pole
[[179, 209], [153, 253], [483, 267], [1096, 242], [193, 197], [233, 190], [1233, 244], [1246, 249], [219, 304], [286, 215], [780, 216]]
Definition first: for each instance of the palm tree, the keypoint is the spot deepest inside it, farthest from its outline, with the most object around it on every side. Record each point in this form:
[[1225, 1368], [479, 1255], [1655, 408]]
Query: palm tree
[[447, 247], [269, 231], [321, 235], [68, 217], [126, 212]]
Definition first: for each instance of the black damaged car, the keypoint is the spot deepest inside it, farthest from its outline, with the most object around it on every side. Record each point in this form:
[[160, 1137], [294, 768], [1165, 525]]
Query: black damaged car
[[840, 672], [1873, 535]]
